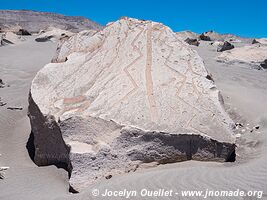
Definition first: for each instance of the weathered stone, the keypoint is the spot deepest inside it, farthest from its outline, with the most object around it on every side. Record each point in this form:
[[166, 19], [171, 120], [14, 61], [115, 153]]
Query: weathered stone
[[254, 41], [129, 94], [183, 35], [192, 41], [252, 55], [34, 21], [78, 40], [53, 34], [264, 64], [260, 41], [2, 169], [225, 46], [11, 38], [23, 32], [204, 37]]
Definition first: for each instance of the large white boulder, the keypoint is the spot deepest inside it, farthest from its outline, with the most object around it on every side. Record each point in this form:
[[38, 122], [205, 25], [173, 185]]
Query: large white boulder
[[10, 38], [129, 94]]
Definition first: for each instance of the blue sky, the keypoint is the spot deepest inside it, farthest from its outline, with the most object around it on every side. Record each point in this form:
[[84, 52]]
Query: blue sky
[[246, 18]]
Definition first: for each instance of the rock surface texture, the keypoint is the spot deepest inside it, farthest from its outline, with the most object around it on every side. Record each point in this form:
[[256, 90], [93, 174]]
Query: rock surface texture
[[192, 41], [10, 38], [225, 46], [53, 34], [183, 35], [33, 22], [252, 55], [130, 94]]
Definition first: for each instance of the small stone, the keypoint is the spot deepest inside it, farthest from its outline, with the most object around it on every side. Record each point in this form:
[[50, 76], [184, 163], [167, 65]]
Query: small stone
[[238, 135], [192, 41], [109, 176]]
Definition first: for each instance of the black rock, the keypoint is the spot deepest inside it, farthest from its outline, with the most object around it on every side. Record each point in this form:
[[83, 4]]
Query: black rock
[[108, 177], [264, 64], [209, 77], [254, 41], [226, 46], [43, 39], [192, 41], [2, 84], [14, 108], [204, 37], [23, 32]]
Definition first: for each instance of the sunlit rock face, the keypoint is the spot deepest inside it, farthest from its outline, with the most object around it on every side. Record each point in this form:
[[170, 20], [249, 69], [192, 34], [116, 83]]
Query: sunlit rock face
[[252, 55], [130, 94]]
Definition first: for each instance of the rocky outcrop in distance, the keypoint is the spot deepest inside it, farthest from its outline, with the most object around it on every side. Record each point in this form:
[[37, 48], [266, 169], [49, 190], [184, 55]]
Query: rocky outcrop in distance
[[183, 35], [130, 94], [225, 46], [10, 38], [53, 34], [252, 55], [192, 41], [33, 22]]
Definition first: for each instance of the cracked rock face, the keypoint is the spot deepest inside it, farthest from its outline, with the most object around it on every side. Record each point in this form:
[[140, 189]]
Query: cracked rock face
[[123, 97]]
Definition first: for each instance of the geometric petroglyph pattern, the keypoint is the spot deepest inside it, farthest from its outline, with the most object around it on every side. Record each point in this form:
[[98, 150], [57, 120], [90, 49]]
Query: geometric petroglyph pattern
[[130, 94], [136, 73]]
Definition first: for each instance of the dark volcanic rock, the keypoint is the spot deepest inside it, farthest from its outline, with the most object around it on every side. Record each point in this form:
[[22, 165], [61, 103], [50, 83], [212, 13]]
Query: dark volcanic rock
[[23, 32], [226, 46], [43, 39], [14, 108], [254, 41], [47, 145], [204, 37], [2, 84], [264, 64], [192, 41]]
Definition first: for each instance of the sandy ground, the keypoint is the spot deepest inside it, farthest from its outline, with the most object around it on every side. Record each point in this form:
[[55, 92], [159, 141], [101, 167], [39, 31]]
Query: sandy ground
[[24, 180], [245, 94]]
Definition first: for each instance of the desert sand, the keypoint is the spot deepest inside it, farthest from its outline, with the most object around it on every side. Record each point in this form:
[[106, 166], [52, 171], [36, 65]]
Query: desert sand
[[244, 91]]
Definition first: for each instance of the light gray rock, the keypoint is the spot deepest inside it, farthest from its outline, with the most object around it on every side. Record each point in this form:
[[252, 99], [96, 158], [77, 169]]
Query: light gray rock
[[53, 34], [262, 41], [10, 38], [128, 95], [183, 35], [66, 45], [251, 55]]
